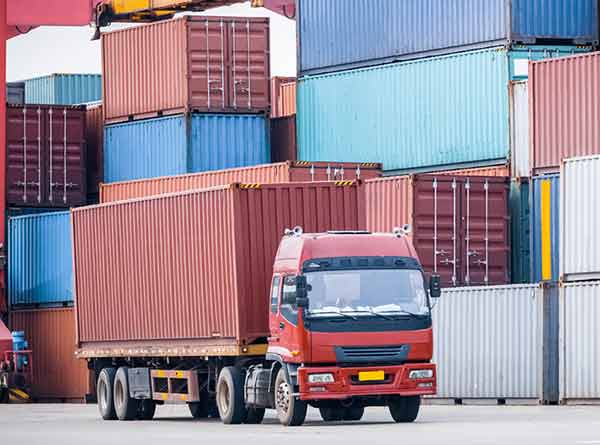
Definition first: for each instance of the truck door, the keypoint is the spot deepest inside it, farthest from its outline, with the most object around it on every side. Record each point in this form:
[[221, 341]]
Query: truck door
[[287, 319], [274, 308]]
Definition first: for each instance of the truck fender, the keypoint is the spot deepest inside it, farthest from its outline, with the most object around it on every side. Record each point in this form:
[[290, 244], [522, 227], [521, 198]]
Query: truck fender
[[290, 369]]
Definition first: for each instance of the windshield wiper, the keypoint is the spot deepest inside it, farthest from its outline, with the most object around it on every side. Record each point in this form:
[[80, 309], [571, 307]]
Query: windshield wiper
[[316, 314], [371, 311], [402, 311]]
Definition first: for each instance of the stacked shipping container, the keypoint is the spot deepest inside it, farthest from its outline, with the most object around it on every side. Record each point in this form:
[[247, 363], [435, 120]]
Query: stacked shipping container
[[63, 89]]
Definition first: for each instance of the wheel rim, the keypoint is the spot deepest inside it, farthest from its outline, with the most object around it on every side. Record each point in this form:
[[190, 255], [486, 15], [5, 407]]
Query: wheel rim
[[224, 395], [283, 397], [119, 395], [103, 395]]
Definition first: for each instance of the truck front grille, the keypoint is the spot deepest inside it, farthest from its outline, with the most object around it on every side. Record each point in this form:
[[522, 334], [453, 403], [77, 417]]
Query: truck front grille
[[372, 354]]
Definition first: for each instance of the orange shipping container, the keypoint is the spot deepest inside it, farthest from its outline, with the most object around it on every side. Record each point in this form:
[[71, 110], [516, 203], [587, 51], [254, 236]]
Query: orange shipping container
[[282, 172], [58, 375], [495, 170], [287, 99], [276, 83]]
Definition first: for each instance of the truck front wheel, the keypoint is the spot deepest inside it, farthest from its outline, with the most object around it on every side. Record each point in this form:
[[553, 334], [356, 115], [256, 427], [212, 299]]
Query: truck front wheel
[[291, 411], [104, 391], [126, 407], [230, 396], [405, 409]]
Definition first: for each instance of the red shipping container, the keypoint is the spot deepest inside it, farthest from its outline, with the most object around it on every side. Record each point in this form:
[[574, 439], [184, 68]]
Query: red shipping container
[[276, 83], [94, 138], [451, 219], [281, 172], [193, 270], [194, 63], [45, 148], [564, 105], [57, 374], [283, 139]]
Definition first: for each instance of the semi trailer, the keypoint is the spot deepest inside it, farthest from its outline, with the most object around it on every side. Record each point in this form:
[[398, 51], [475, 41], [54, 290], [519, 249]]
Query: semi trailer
[[205, 298]]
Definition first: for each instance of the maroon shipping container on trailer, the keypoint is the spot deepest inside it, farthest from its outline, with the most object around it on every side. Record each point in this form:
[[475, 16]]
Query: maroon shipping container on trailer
[[193, 63], [283, 139], [460, 225], [94, 138], [281, 172], [564, 105], [184, 272], [46, 165]]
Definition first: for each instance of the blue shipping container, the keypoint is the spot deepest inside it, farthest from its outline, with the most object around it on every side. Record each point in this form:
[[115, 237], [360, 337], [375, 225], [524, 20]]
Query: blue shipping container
[[520, 233], [336, 35], [40, 264], [545, 234], [184, 144], [64, 89], [433, 113]]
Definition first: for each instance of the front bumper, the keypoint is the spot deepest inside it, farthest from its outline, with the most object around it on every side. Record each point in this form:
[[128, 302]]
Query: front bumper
[[346, 382]]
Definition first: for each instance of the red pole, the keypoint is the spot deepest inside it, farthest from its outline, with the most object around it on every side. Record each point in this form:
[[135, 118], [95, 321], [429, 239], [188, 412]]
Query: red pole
[[3, 39]]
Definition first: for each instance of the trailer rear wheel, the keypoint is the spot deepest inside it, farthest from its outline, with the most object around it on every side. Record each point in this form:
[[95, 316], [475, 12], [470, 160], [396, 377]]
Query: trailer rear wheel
[[146, 410], [230, 396], [104, 392], [405, 409], [126, 407], [291, 411]]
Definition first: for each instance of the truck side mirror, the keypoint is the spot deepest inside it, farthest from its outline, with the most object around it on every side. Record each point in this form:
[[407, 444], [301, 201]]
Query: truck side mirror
[[301, 291], [435, 286]]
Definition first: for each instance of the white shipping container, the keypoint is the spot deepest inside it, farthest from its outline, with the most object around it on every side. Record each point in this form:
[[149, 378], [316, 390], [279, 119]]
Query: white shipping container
[[488, 342], [579, 341], [579, 216], [519, 130]]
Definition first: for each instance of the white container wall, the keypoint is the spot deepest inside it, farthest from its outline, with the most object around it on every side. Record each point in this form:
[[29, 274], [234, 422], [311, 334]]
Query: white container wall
[[579, 216], [519, 130], [580, 341], [488, 342]]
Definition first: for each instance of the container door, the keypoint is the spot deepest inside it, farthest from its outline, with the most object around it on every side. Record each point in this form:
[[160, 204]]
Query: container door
[[436, 206], [25, 156], [249, 69], [519, 123], [208, 55], [484, 231], [66, 180]]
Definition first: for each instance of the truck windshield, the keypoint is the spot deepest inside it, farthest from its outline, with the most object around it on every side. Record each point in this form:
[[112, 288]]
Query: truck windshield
[[364, 292]]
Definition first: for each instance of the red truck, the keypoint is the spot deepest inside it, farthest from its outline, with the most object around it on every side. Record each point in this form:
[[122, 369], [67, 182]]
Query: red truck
[[347, 312]]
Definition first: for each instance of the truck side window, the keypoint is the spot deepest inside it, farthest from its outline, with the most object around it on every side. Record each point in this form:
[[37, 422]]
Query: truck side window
[[289, 312], [275, 293]]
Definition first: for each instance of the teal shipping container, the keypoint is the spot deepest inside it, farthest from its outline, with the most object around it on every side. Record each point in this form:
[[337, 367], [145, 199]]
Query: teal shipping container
[[436, 113], [63, 89], [545, 233], [520, 233], [40, 263], [184, 144]]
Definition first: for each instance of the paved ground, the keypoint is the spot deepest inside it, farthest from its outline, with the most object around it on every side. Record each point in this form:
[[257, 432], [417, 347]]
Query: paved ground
[[80, 424]]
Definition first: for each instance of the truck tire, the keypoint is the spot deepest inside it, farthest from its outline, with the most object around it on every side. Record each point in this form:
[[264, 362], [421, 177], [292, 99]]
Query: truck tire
[[230, 396], [104, 392], [199, 410], [255, 416], [125, 406], [331, 414], [291, 411], [405, 409], [146, 410], [353, 413]]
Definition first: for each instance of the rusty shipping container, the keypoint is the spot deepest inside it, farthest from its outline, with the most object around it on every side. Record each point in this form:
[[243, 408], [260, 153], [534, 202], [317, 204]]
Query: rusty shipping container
[[281, 172], [287, 99], [564, 98], [460, 224], [58, 375], [94, 139], [45, 153], [276, 88], [502, 170], [190, 64], [283, 139], [193, 269]]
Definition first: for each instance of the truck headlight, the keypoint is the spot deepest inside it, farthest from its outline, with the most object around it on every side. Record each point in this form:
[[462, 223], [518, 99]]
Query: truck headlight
[[420, 374], [321, 378]]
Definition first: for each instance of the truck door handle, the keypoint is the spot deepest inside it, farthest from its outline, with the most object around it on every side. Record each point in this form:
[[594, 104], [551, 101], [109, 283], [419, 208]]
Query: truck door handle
[[281, 325]]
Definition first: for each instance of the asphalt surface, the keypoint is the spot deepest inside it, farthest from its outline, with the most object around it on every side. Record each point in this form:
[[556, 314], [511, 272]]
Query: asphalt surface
[[80, 424]]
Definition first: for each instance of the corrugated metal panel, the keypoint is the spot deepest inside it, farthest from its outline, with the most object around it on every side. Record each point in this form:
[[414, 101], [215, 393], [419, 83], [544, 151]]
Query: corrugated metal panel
[[94, 138], [161, 147], [336, 35], [564, 110], [276, 83], [213, 64], [58, 375], [40, 262], [496, 170], [545, 230], [580, 341], [519, 131], [15, 93], [281, 172], [288, 99], [63, 89], [194, 268], [464, 96], [283, 139], [579, 216], [488, 342], [520, 231], [389, 203], [551, 343]]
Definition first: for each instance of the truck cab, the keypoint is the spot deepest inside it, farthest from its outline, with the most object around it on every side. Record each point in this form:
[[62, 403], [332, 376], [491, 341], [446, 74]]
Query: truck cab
[[350, 325]]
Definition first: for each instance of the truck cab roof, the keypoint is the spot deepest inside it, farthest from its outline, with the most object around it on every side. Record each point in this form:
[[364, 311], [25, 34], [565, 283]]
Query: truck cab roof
[[295, 248]]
